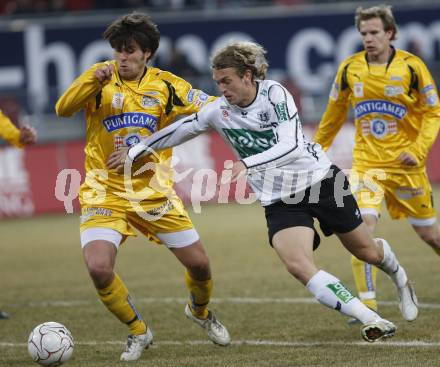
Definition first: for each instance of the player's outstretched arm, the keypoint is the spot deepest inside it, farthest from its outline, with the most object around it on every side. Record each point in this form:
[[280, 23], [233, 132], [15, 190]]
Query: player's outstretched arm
[[172, 135]]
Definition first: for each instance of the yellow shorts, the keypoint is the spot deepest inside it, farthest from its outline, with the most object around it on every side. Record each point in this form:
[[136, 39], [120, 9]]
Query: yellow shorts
[[406, 196], [149, 217]]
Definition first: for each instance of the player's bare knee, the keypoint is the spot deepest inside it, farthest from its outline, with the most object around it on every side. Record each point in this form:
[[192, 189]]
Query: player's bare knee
[[431, 238], [199, 268], [370, 255], [100, 272], [295, 268]]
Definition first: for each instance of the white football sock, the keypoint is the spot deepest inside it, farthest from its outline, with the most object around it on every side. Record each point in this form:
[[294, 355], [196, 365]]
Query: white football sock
[[329, 291], [391, 266]]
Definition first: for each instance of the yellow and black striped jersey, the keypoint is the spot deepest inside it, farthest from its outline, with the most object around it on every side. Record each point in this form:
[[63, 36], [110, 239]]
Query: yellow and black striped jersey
[[121, 113], [396, 108], [9, 132]]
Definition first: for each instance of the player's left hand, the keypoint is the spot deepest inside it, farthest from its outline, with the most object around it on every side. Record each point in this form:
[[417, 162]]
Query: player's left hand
[[28, 135], [116, 160], [407, 159], [238, 170]]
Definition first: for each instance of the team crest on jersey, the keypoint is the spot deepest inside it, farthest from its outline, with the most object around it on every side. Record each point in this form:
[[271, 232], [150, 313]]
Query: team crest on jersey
[[131, 140], [225, 114], [359, 90], [379, 128], [263, 92], [263, 116], [148, 101], [118, 100], [393, 90]]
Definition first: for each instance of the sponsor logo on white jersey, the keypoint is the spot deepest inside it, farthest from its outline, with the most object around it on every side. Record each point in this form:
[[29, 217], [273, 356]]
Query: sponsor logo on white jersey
[[250, 142], [281, 110]]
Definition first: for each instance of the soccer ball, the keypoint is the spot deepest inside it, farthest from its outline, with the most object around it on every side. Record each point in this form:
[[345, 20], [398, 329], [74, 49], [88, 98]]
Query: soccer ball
[[50, 344]]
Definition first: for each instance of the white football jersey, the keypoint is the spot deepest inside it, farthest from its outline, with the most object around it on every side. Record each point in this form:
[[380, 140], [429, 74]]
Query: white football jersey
[[266, 136]]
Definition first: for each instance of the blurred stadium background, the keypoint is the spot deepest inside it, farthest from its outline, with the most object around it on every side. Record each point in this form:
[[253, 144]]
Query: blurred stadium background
[[46, 44]]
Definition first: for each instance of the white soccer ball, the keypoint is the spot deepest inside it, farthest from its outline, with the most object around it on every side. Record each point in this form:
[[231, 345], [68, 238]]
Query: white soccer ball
[[50, 344]]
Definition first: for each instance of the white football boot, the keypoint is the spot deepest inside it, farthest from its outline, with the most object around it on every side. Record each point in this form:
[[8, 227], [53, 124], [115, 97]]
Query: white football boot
[[136, 345], [408, 303], [376, 330], [215, 330]]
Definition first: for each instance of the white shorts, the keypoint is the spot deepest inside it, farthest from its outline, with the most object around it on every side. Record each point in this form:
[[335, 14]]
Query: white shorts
[[171, 240]]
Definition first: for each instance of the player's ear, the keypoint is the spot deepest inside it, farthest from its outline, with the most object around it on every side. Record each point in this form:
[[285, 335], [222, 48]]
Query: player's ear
[[248, 75], [147, 55]]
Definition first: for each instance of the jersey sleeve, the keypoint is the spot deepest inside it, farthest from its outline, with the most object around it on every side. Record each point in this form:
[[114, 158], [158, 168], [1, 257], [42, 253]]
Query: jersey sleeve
[[81, 93], [177, 133], [335, 114], [288, 132], [182, 98], [9, 131], [430, 106]]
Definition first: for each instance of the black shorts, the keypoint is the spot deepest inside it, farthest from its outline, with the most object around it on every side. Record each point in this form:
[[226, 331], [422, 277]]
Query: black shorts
[[329, 201]]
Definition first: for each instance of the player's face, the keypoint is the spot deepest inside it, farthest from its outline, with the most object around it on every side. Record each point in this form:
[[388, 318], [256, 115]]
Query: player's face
[[131, 61], [237, 90], [376, 41]]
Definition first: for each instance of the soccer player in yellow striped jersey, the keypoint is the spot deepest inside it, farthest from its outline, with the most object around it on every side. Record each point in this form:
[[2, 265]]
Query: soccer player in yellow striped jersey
[[397, 118], [125, 101], [18, 137]]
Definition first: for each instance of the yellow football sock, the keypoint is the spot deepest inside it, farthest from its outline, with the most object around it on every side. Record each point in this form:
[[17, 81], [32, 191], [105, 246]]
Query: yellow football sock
[[365, 279], [200, 294], [117, 300]]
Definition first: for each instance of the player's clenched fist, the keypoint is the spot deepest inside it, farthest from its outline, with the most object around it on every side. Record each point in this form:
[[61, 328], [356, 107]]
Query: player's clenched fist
[[104, 73]]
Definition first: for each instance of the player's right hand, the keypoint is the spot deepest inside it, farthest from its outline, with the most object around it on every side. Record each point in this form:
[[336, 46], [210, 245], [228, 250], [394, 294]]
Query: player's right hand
[[407, 159], [116, 160], [104, 73], [28, 135]]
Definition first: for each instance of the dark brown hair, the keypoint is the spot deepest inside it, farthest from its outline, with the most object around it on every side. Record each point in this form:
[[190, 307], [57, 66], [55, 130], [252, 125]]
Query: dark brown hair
[[133, 27]]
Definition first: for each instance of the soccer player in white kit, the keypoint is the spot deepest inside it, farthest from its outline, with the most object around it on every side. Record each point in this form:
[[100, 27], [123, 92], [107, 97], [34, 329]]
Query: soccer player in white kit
[[292, 177]]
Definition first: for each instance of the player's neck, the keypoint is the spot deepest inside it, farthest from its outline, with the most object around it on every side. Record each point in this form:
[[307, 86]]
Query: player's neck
[[250, 98], [380, 59]]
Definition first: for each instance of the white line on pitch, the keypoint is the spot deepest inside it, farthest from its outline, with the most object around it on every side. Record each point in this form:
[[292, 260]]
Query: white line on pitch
[[271, 343], [230, 300]]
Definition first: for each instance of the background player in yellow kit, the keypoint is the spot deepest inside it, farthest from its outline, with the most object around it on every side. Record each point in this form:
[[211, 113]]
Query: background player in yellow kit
[[18, 137], [125, 101], [397, 117]]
